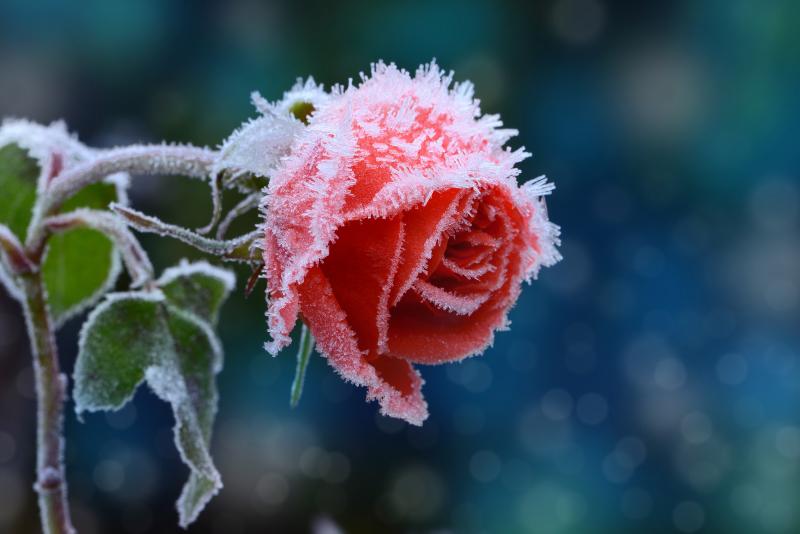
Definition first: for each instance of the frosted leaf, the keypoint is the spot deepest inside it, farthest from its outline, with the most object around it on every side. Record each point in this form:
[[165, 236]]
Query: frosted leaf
[[52, 146], [258, 145], [186, 381], [18, 176], [162, 337], [81, 265], [117, 343], [199, 288], [134, 257]]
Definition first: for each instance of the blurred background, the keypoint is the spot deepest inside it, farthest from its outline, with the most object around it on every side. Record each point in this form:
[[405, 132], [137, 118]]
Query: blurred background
[[651, 380]]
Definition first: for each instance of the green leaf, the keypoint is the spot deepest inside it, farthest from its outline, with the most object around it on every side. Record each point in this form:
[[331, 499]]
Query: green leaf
[[195, 406], [95, 196], [199, 288], [81, 265], [18, 176], [163, 337], [116, 348]]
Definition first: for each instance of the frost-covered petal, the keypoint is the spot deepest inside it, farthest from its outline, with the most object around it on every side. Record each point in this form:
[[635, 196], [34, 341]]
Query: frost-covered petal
[[426, 225], [421, 334], [302, 213], [392, 382], [362, 276], [460, 304]]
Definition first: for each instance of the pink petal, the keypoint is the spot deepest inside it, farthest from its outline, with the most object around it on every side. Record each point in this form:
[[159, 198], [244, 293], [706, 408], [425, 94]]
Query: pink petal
[[361, 268], [393, 383]]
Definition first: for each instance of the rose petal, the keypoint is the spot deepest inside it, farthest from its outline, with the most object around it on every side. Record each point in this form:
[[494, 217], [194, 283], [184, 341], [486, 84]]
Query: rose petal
[[460, 304], [424, 335], [393, 383], [454, 268], [426, 226], [361, 268], [302, 212]]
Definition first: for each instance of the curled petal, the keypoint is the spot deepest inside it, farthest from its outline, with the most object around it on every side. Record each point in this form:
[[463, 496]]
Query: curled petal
[[392, 382]]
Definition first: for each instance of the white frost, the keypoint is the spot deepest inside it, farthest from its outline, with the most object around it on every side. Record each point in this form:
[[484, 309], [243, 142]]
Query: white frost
[[185, 268], [52, 146], [258, 146], [7, 281]]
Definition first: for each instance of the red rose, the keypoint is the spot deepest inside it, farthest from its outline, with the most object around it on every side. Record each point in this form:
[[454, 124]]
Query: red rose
[[397, 230]]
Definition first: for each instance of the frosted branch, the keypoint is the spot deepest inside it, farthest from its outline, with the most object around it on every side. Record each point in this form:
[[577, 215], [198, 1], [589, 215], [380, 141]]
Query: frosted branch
[[51, 388], [216, 203], [238, 249], [137, 159], [248, 203], [16, 260], [134, 256]]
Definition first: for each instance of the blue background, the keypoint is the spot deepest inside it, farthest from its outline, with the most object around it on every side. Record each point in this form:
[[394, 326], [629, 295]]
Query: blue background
[[650, 381]]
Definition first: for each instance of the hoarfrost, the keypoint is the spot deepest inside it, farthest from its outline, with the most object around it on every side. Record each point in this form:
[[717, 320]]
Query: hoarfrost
[[160, 337]]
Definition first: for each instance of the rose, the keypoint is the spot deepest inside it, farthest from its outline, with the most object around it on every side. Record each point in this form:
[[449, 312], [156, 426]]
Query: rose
[[397, 230]]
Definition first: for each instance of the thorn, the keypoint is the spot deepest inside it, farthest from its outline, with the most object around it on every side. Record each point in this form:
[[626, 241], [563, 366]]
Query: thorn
[[253, 280]]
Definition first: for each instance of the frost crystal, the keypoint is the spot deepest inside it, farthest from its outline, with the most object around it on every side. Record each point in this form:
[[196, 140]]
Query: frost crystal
[[8, 282], [258, 145], [53, 148]]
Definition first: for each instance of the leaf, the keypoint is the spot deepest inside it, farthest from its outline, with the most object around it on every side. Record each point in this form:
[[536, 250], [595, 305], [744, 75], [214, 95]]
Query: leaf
[[256, 148], [78, 267], [114, 352], [18, 176], [81, 265], [198, 288], [195, 406], [30, 155], [163, 337]]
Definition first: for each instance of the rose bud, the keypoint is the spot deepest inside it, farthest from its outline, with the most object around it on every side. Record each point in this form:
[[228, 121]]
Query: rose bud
[[397, 231]]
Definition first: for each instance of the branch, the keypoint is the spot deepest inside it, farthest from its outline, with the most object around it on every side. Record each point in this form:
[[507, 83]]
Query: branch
[[17, 260], [237, 249], [51, 385], [137, 159], [134, 256], [246, 204], [216, 203]]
